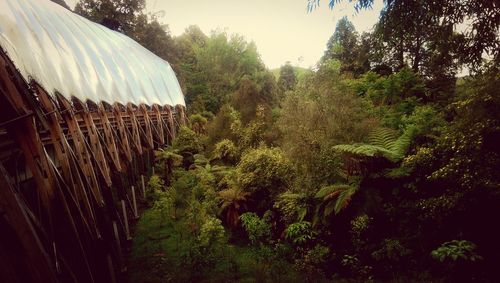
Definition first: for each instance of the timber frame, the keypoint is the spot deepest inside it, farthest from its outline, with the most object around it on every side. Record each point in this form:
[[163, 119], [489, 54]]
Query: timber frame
[[69, 171]]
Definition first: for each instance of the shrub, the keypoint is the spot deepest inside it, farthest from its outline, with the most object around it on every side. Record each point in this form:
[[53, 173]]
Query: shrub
[[258, 229], [226, 151], [264, 169], [211, 233], [154, 188], [300, 233], [456, 250], [187, 141]]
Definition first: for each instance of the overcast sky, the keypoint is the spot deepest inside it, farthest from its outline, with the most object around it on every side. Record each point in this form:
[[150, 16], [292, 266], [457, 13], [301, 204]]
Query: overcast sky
[[282, 29]]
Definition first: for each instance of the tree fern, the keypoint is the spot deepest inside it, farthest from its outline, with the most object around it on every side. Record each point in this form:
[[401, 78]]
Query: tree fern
[[382, 142], [169, 154]]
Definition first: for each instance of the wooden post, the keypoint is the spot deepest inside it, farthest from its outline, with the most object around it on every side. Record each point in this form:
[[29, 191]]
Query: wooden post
[[136, 138], [119, 245], [134, 202], [112, 276], [147, 130], [159, 124], [125, 220], [143, 187], [122, 132], [182, 115], [171, 124]]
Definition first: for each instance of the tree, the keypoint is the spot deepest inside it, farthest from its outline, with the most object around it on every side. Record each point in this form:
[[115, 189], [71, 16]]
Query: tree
[[223, 62], [409, 24], [155, 37], [329, 115], [115, 14], [287, 79], [342, 46], [198, 123], [232, 202]]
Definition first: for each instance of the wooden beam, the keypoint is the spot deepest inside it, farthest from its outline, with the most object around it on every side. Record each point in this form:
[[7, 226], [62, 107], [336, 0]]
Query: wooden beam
[[95, 144], [109, 137], [80, 148], [136, 138], [159, 124], [41, 269], [123, 132]]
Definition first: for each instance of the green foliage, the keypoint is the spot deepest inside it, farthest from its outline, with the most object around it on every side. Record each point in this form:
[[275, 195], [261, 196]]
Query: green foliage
[[115, 14], [329, 115], [222, 62], [258, 230], [198, 123], [187, 141], [154, 188], [300, 233], [221, 126], [170, 155], [226, 151], [334, 198], [382, 142], [264, 170], [211, 233], [391, 250], [287, 78], [342, 46], [232, 201], [456, 250], [360, 224], [294, 206]]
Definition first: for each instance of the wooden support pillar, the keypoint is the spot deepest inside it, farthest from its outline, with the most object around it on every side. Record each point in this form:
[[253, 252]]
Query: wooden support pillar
[[143, 185], [159, 125], [119, 246], [182, 115], [171, 123], [25, 131], [147, 126], [95, 145], [81, 151], [134, 203], [109, 138], [125, 220], [111, 269], [63, 152], [136, 138], [123, 132]]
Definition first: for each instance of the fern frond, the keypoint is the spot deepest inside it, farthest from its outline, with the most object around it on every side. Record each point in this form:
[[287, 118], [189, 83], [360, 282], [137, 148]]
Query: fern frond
[[382, 137], [382, 142], [334, 198], [344, 199], [327, 191]]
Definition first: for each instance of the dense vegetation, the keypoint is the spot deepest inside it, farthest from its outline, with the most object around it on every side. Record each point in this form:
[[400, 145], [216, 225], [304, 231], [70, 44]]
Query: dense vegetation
[[380, 164]]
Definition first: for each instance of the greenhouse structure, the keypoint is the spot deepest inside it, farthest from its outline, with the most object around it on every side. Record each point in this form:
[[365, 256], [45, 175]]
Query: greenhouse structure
[[82, 108]]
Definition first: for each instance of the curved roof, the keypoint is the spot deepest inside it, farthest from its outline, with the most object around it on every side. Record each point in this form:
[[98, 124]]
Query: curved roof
[[67, 53]]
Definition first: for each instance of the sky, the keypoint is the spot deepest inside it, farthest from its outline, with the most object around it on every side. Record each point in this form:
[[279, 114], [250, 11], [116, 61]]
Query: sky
[[282, 29]]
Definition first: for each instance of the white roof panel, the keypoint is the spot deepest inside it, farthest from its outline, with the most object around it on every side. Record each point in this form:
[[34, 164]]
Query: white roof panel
[[69, 54]]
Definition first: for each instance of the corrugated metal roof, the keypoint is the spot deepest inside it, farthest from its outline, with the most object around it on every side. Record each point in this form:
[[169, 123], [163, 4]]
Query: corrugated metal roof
[[69, 54]]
